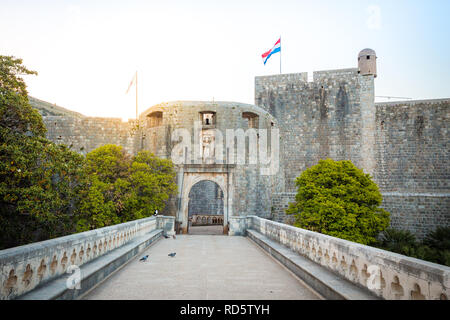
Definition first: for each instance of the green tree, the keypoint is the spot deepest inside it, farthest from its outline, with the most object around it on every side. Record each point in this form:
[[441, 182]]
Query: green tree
[[123, 188], [39, 180], [338, 199], [108, 163], [16, 113], [95, 209], [101, 202], [152, 181]]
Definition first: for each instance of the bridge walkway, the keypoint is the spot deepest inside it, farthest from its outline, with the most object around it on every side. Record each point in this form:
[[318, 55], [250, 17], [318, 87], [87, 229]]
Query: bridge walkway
[[206, 267]]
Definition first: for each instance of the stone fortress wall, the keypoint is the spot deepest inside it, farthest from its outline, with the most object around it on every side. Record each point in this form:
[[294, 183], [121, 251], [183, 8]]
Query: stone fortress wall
[[317, 120], [412, 163], [84, 134], [246, 190], [88, 133], [403, 145]]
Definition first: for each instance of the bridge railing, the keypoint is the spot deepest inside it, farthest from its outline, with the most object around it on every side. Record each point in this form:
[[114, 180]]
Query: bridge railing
[[386, 274], [25, 267]]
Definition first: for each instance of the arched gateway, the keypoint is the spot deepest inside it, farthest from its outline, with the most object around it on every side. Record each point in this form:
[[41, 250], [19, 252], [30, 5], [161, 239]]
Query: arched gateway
[[205, 208], [205, 200]]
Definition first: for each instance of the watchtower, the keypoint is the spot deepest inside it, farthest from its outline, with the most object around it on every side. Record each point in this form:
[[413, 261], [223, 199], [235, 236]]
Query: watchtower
[[367, 62]]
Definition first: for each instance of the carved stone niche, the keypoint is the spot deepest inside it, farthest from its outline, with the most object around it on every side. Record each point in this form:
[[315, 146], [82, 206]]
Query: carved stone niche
[[207, 147]]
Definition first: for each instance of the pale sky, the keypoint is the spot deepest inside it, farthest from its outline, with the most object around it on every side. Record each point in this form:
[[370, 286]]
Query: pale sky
[[86, 52]]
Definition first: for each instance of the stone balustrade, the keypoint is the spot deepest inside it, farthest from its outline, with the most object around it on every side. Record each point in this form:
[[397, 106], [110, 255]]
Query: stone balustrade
[[206, 219], [25, 267], [386, 274]]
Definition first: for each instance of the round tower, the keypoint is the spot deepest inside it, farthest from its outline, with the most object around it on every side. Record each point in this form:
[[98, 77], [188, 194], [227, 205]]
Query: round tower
[[367, 62]]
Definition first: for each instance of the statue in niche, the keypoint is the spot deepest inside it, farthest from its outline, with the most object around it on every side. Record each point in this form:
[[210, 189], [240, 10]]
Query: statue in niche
[[208, 147]]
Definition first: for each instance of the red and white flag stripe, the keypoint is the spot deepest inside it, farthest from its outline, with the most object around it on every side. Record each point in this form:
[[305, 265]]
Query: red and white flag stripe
[[131, 83]]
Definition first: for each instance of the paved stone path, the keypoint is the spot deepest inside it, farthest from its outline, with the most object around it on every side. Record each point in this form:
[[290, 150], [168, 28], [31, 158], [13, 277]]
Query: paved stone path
[[206, 230], [205, 267]]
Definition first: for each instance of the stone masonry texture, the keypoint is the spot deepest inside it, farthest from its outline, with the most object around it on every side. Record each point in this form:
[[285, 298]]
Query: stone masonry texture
[[206, 198], [402, 145]]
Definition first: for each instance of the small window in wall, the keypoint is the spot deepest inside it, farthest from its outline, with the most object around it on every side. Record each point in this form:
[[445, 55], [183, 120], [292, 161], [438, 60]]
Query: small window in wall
[[154, 119], [252, 119], [368, 57], [208, 118]]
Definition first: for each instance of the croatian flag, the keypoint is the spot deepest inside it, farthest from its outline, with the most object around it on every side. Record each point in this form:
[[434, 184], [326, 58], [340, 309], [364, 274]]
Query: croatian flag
[[276, 48]]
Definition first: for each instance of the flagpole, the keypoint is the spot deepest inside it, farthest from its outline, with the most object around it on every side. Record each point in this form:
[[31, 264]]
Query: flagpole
[[280, 54]]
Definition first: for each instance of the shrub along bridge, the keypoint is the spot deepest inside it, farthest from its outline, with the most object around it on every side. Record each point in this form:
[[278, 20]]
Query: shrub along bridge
[[259, 259]]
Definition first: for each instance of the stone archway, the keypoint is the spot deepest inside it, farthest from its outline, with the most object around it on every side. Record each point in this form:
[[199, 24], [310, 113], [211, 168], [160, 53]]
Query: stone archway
[[205, 208], [190, 179]]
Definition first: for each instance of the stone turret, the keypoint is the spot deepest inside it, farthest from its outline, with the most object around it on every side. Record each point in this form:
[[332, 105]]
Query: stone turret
[[367, 62]]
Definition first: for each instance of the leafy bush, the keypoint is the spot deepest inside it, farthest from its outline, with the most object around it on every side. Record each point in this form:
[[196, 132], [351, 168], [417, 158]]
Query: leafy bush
[[439, 241], [395, 240], [439, 238], [434, 248], [402, 242], [338, 199], [123, 188]]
